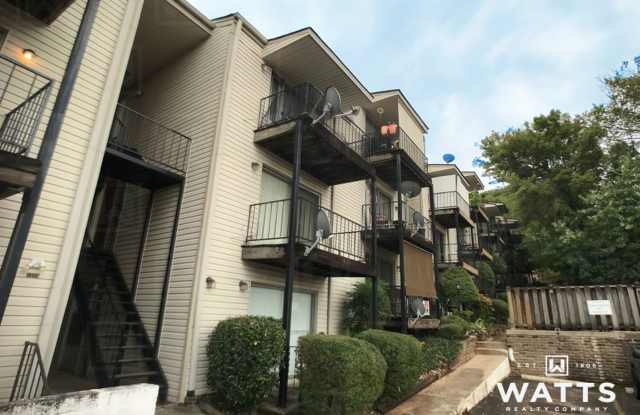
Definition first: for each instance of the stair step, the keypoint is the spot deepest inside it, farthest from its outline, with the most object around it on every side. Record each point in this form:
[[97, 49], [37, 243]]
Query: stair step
[[132, 347], [488, 351], [116, 323], [136, 374], [130, 334], [133, 360], [492, 344]]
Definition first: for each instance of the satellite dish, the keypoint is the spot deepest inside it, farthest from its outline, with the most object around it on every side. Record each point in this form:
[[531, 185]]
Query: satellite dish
[[410, 189], [448, 158], [420, 308], [418, 221], [331, 103], [323, 231]]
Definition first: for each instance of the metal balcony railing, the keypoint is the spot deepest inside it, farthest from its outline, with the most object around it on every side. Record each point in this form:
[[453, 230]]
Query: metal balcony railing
[[412, 302], [31, 380], [268, 224], [141, 137], [387, 217], [379, 143], [291, 103], [450, 200], [23, 98]]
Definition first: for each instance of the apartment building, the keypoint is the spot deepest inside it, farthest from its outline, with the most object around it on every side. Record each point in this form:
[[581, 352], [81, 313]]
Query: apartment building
[[165, 193], [457, 231]]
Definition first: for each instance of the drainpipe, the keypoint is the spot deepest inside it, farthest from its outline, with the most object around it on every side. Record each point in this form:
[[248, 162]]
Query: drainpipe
[[30, 197]]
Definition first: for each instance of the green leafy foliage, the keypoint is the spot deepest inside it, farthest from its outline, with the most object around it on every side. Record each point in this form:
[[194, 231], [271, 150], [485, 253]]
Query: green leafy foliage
[[439, 352], [243, 353], [452, 331], [486, 279], [404, 357], [358, 306], [501, 309], [458, 288], [339, 375]]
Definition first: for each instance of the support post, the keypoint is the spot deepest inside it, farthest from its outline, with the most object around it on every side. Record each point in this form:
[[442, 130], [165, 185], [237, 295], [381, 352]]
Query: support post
[[167, 272], [374, 253], [30, 197], [400, 232], [291, 265], [142, 244], [436, 243]]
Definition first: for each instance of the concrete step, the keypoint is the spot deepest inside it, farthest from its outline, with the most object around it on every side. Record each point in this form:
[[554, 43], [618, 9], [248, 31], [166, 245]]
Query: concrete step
[[490, 344], [491, 351]]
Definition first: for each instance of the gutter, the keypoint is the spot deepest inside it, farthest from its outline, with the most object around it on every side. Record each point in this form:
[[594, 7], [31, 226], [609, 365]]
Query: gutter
[[31, 197]]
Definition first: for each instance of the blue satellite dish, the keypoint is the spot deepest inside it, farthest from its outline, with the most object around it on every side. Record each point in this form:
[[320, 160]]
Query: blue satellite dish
[[448, 158]]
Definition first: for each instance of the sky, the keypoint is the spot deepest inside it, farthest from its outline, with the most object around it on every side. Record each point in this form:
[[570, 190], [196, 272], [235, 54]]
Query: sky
[[468, 67]]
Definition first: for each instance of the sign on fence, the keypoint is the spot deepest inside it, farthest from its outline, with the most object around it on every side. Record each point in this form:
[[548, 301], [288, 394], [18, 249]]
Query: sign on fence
[[596, 307]]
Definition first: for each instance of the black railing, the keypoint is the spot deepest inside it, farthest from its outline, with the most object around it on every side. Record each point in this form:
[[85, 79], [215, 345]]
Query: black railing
[[387, 217], [23, 98], [394, 138], [31, 379], [141, 137], [269, 221], [412, 302], [294, 102], [450, 200], [452, 253]]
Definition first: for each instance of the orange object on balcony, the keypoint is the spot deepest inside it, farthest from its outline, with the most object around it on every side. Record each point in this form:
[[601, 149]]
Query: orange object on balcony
[[389, 129]]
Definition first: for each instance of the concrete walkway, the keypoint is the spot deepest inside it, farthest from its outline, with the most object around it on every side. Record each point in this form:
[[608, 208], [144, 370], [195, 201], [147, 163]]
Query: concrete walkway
[[463, 388]]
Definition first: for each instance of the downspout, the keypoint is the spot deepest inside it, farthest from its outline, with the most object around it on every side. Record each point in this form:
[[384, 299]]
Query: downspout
[[31, 197], [192, 330]]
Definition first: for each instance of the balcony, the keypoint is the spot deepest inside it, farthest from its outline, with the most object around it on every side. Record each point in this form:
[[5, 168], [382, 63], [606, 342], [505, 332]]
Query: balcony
[[333, 150], [381, 149], [417, 227], [343, 254], [45, 11], [23, 98], [458, 254], [414, 305], [143, 151], [451, 209]]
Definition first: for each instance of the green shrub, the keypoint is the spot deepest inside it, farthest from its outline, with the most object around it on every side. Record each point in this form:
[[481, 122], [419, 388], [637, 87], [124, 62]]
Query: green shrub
[[501, 309], [243, 353], [502, 296], [452, 331], [358, 306], [439, 352], [457, 320], [458, 288], [484, 310], [486, 279], [404, 358], [339, 374]]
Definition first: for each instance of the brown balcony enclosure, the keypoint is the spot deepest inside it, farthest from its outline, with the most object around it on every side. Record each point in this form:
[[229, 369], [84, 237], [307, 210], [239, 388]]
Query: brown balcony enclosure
[[333, 150], [23, 98], [343, 254]]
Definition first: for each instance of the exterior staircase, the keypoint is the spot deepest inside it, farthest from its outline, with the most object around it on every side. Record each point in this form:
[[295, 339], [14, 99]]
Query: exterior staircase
[[490, 347], [121, 352]]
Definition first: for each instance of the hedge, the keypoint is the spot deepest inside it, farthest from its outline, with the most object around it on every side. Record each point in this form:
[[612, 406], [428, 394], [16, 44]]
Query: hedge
[[404, 358], [439, 352], [458, 288], [243, 353], [501, 309], [452, 331], [339, 374]]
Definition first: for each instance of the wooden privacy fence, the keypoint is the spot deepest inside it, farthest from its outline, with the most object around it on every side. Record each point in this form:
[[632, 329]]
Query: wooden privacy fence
[[566, 307]]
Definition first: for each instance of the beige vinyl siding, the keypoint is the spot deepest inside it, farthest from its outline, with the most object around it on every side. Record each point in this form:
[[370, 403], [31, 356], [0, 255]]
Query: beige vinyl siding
[[184, 96], [52, 45]]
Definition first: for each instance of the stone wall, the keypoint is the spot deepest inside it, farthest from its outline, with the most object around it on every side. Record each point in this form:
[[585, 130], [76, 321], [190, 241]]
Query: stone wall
[[137, 399], [468, 351], [593, 356]]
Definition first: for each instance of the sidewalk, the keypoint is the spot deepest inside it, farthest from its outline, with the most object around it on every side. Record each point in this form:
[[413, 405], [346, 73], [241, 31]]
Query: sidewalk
[[460, 390]]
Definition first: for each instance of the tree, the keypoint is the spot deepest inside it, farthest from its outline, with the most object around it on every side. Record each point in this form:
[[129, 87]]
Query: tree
[[621, 115], [358, 306], [458, 289]]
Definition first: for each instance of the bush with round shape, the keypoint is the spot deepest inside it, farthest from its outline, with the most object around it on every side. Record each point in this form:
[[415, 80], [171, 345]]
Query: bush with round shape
[[243, 353], [403, 354], [339, 374], [452, 331], [458, 288], [501, 309], [486, 279], [439, 352]]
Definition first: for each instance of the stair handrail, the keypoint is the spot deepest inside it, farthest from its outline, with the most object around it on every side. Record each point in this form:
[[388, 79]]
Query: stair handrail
[[31, 378]]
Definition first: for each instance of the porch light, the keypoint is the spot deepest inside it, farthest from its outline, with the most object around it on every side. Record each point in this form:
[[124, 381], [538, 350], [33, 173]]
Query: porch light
[[28, 54], [244, 285], [211, 283]]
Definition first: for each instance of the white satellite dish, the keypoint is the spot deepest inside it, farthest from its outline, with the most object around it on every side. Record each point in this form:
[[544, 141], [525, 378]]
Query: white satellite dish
[[410, 189], [418, 221], [323, 231], [331, 103], [419, 307]]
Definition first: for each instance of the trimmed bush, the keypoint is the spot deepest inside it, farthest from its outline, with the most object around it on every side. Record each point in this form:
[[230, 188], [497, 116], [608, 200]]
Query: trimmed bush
[[358, 306], [452, 331], [404, 358], [501, 309], [243, 353], [455, 319], [439, 352], [339, 374], [486, 279], [484, 309], [458, 288]]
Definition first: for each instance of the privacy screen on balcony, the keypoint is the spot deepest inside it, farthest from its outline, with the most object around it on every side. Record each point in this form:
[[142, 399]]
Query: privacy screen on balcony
[[418, 266]]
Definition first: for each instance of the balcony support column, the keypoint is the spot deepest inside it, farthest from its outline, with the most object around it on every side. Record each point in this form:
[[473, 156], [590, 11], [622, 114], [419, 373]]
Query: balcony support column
[[436, 242], [400, 231], [374, 253], [291, 265]]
